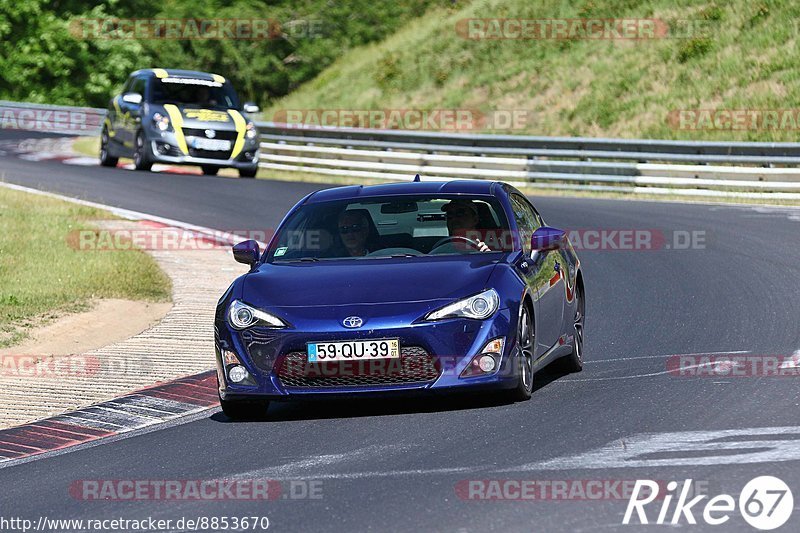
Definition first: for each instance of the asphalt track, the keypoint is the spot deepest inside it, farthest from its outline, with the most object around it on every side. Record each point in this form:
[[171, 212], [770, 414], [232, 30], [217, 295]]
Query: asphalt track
[[395, 465]]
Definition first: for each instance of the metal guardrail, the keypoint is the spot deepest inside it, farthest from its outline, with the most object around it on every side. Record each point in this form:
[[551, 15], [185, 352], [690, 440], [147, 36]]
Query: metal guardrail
[[689, 168]]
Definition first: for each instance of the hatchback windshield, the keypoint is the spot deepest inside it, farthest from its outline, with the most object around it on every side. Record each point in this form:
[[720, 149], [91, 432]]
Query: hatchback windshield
[[195, 92], [393, 226]]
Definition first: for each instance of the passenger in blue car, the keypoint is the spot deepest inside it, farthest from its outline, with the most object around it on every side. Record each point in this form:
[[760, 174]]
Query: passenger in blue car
[[462, 221]]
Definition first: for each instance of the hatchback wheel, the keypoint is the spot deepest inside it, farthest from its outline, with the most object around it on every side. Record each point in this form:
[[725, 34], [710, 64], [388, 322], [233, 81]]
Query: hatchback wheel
[[141, 160], [106, 160]]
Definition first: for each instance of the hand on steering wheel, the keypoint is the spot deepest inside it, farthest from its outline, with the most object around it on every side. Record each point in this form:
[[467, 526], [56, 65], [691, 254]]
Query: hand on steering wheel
[[478, 245]]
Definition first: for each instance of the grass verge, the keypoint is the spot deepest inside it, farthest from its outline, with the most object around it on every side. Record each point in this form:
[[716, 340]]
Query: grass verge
[[43, 277]]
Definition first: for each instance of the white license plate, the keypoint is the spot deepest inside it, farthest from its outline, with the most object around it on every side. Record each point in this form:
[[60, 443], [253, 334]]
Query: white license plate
[[353, 350], [211, 144]]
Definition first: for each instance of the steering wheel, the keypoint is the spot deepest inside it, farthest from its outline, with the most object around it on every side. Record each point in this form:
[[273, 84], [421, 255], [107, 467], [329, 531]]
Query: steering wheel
[[446, 240]]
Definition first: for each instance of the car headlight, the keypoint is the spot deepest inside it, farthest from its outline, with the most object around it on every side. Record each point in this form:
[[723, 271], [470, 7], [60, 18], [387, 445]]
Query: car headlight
[[250, 131], [161, 122], [241, 316], [480, 306]]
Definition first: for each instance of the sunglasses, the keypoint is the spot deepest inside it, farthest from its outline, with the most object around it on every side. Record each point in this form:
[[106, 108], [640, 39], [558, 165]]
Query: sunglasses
[[352, 228]]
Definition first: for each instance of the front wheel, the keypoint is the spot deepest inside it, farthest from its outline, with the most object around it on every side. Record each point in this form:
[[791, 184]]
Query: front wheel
[[524, 357], [141, 160], [106, 160], [248, 172], [244, 409]]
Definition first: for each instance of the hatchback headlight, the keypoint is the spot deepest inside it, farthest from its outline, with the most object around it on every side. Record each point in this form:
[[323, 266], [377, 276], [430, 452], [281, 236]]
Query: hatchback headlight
[[250, 131], [480, 306], [241, 316], [161, 122]]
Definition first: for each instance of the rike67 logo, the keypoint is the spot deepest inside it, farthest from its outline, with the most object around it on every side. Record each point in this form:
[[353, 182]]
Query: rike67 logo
[[765, 503]]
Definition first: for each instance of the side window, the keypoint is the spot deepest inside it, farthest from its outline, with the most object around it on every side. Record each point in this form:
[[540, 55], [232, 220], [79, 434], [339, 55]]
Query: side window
[[138, 86], [127, 87], [527, 221]]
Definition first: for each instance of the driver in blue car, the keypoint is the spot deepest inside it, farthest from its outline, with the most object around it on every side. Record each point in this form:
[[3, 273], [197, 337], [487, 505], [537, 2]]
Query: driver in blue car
[[354, 232], [462, 221]]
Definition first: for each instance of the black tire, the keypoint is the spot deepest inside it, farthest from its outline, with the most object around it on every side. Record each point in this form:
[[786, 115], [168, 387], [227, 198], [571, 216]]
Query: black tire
[[141, 158], [248, 172], [106, 160], [524, 356], [244, 409], [209, 170], [574, 361]]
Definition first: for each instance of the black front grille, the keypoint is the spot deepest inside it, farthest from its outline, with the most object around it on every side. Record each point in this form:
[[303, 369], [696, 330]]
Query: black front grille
[[224, 135], [415, 365], [210, 154], [228, 135]]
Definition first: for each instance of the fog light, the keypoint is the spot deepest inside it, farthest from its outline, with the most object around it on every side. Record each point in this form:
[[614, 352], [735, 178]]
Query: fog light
[[237, 374], [486, 363], [487, 360], [163, 148]]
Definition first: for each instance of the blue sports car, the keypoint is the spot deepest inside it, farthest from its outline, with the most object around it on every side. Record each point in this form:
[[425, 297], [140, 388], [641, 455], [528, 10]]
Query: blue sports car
[[411, 287]]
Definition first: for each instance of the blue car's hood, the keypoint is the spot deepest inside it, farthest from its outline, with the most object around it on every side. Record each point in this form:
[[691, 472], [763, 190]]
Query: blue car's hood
[[364, 281]]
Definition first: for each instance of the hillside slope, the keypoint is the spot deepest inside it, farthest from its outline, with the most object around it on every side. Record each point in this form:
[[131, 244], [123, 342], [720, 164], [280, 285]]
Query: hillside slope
[[735, 55]]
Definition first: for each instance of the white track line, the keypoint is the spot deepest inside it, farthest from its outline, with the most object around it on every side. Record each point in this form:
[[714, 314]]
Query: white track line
[[662, 356]]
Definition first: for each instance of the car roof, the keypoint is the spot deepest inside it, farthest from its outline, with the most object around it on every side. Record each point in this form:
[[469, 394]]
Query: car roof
[[177, 73], [467, 187]]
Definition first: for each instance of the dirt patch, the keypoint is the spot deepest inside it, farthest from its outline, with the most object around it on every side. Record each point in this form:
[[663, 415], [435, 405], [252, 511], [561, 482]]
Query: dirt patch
[[108, 321]]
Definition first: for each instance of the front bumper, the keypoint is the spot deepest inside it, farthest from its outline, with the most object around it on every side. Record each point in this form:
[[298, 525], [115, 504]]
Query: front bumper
[[164, 148], [450, 344]]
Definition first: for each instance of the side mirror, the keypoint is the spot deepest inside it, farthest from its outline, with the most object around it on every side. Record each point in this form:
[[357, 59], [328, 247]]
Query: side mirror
[[545, 239], [132, 98], [250, 107], [246, 252]]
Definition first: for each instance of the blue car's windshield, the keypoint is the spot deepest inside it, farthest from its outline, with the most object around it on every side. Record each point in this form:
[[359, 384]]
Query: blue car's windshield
[[392, 226]]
